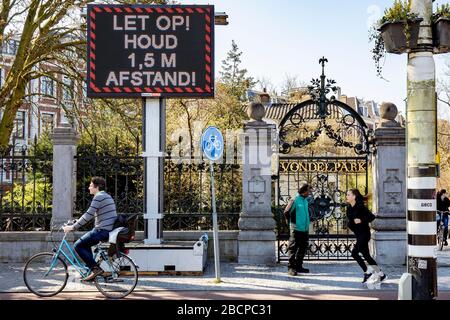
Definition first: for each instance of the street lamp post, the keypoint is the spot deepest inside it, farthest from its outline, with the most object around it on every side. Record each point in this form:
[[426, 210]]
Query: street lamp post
[[421, 159]]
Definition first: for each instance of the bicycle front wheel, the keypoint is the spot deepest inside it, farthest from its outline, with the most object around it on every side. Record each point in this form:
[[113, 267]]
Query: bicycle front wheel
[[441, 238], [119, 279], [45, 274]]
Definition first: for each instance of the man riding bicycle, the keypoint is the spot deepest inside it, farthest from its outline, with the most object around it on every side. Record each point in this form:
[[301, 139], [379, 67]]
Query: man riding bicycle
[[103, 209], [443, 204]]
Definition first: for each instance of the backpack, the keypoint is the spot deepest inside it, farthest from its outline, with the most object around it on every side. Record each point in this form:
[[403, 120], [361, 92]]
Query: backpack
[[126, 235], [287, 213]]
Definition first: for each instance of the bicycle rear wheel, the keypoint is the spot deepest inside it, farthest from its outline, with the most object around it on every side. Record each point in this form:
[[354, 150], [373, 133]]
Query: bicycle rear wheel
[[119, 279], [45, 275]]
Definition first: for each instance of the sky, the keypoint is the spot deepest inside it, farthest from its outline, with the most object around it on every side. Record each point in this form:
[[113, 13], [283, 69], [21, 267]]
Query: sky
[[288, 37]]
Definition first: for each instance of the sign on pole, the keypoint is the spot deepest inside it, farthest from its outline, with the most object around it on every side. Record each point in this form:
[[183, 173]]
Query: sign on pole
[[212, 147], [161, 51], [212, 143]]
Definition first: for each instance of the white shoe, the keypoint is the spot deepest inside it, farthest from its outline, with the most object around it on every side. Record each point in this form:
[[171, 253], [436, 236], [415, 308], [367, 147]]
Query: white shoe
[[374, 278]]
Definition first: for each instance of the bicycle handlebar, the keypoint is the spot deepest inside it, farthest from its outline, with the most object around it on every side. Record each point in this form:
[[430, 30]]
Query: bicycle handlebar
[[68, 223]]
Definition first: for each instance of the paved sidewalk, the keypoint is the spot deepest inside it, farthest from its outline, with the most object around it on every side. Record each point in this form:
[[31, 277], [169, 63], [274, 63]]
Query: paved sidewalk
[[326, 280], [324, 276]]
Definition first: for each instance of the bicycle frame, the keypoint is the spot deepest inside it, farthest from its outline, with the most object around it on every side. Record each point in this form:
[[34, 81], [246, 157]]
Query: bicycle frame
[[79, 266]]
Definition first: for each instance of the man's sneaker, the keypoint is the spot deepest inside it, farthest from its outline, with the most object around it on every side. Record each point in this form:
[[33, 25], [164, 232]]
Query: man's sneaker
[[302, 270], [292, 272], [383, 277], [445, 243], [95, 272], [366, 277]]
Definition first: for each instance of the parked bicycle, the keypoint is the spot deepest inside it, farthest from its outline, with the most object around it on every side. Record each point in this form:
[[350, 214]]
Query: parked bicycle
[[46, 274], [440, 229]]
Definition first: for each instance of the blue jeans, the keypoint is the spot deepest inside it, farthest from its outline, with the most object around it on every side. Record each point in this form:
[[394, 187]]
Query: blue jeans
[[445, 222], [84, 244]]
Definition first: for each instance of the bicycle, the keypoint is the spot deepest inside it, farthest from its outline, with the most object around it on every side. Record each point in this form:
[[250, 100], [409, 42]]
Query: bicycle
[[440, 230], [46, 273]]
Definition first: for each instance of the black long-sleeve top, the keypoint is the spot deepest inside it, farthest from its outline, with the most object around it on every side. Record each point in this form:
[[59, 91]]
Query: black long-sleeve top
[[359, 211], [443, 205]]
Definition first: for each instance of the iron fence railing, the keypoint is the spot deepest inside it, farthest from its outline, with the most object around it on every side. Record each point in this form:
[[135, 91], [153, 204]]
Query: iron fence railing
[[25, 189], [187, 198]]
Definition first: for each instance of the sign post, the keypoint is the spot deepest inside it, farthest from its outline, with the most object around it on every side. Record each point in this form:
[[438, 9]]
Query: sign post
[[151, 52], [154, 141], [212, 147]]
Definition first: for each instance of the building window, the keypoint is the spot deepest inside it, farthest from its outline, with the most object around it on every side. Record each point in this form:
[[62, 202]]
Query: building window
[[362, 110], [376, 110], [19, 125], [47, 87], [47, 122], [67, 89], [85, 97], [29, 92], [10, 47]]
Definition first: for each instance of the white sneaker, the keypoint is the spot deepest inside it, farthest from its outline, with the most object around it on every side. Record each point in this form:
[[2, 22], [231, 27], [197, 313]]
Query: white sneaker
[[375, 277]]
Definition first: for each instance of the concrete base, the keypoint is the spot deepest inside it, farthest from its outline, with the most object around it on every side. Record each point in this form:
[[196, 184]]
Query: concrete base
[[405, 287], [257, 247], [184, 257], [389, 247]]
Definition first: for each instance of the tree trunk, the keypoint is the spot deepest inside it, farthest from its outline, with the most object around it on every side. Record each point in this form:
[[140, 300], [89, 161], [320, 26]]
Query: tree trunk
[[11, 108]]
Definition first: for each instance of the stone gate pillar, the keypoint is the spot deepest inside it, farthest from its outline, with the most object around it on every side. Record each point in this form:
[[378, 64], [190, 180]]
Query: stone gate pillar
[[257, 239], [389, 190], [64, 174]]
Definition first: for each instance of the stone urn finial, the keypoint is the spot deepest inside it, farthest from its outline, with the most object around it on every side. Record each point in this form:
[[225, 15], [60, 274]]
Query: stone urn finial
[[256, 112], [388, 113]]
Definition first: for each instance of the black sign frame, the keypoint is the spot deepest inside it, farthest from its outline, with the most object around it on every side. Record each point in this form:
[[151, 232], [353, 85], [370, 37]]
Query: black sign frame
[[201, 75]]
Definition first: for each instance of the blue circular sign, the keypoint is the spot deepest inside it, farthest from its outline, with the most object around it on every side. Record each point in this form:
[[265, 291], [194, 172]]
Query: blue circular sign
[[212, 143]]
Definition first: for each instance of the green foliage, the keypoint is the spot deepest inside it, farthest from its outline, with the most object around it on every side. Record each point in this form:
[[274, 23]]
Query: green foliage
[[399, 12], [378, 51], [34, 196], [188, 118], [42, 146], [442, 11], [112, 125], [233, 76]]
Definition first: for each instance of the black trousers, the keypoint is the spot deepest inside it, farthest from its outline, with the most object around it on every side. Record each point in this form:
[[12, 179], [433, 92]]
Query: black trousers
[[298, 243], [362, 246]]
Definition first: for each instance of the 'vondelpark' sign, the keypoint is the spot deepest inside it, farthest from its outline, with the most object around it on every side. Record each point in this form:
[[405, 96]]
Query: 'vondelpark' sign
[[323, 166], [164, 51]]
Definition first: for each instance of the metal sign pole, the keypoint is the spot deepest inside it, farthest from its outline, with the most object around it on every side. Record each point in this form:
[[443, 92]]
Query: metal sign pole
[[215, 225], [212, 147], [154, 134]]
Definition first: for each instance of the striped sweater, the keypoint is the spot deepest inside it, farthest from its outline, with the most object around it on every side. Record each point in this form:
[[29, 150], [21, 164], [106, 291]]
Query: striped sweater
[[103, 209]]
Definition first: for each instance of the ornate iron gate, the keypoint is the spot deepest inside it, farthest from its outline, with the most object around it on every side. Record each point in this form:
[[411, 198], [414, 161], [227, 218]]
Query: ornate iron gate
[[325, 143]]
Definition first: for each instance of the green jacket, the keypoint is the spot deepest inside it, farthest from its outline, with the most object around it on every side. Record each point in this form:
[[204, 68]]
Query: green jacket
[[301, 214]]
